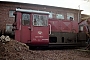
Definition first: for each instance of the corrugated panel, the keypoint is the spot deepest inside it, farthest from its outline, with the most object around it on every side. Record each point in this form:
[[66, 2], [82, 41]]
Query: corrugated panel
[[54, 25], [66, 26]]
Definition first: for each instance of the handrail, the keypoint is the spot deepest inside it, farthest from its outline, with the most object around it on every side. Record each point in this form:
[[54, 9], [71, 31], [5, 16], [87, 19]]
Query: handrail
[[20, 25], [50, 29]]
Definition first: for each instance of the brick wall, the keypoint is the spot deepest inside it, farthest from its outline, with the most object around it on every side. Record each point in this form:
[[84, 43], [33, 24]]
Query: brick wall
[[6, 6]]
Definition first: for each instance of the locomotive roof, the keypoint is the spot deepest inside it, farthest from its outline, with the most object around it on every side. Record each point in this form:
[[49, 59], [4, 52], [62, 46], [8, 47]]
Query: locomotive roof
[[32, 11]]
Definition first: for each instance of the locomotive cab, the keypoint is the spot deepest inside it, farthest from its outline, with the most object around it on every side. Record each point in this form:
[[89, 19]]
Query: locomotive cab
[[31, 27]]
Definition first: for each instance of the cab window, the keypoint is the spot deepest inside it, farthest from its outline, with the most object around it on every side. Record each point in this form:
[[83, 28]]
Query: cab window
[[25, 19], [40, 20]]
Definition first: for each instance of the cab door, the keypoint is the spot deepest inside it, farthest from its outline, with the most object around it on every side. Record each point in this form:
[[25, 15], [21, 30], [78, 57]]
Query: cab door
[[25, 33], [39, 30]]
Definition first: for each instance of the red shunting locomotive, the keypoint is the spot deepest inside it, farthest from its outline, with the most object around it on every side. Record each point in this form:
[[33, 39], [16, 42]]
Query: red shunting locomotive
[[36, 29]]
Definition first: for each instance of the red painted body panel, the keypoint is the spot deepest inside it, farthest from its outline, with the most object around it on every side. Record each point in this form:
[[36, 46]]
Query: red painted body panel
[[66, 26], [54, 25], [25, 34], [75, 27], [17, 35], [40, 36], [17, 32], [63, 25], [22, 33]]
